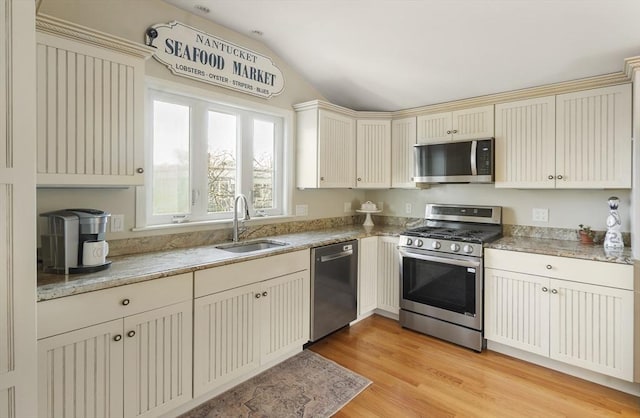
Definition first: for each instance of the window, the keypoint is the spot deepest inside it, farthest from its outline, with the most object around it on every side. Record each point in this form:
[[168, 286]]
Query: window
[[205, 154]]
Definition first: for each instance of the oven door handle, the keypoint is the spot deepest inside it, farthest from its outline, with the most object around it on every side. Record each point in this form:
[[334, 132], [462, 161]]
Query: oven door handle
[[443, 260]]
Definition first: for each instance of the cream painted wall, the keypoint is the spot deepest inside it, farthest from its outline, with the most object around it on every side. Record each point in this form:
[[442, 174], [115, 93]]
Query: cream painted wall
[[567, 208], [129, 19]]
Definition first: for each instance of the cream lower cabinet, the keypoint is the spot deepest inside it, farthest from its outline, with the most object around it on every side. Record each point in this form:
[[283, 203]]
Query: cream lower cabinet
[[579, 312], [378, 275], [367, 275], [136, 365], [241, 329]]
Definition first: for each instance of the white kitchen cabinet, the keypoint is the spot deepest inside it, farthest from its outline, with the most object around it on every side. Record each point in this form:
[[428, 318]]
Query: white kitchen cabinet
[[403, 138], [462, 124], [388, 275], [326, 149], [575, 140], [579, 312], [258, 314], [373, 154], [90, 106], [135, 361], [367, 276]]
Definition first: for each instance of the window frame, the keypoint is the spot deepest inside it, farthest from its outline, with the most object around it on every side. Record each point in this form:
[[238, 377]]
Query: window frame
[[210, 101]]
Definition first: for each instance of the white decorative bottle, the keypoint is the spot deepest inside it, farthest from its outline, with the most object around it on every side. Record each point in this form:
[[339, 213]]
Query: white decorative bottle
[[613, 238]]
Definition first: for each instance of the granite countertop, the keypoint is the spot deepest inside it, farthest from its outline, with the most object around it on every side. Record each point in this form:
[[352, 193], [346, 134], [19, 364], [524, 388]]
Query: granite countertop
[[561, 248], [141, 267]]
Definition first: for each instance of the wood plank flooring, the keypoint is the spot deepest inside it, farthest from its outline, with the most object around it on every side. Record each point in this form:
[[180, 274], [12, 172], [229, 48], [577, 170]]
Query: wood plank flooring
[[418, 376]]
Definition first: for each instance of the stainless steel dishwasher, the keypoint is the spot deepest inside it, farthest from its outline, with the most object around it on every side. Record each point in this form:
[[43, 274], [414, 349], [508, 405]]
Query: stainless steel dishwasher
[[334, 286]]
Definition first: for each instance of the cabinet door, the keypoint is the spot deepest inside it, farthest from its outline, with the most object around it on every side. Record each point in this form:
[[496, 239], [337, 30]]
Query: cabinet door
[[593, 138], [403, 138], [592, 327], [284, 315], [226, 338], [517, 310], [367, 275], [80, 373], [434, 128], [373, 154], [157, 360], [472, 123], [388, 275], [525, 143], [89, 114], [336, 150]]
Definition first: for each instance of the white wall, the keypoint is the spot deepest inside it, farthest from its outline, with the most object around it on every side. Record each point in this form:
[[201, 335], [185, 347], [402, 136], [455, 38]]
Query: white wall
[[567, 208]]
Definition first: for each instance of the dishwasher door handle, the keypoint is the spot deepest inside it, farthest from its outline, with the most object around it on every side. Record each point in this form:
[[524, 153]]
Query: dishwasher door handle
[[336, 256]]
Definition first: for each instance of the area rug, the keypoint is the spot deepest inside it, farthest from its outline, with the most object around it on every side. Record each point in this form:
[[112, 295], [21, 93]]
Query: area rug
[[306, 385]]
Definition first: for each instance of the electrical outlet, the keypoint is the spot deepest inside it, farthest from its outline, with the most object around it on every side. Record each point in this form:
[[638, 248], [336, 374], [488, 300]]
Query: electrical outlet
[[380, 205], [302, 210], [347, 207], [407, 208], [117, 223], [540, 215]]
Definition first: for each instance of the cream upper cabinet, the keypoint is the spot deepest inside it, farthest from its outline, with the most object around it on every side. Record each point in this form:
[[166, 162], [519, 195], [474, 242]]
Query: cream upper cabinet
[[470, 123], [373, 154], [403, 138], [326, 149], [90, 106], [525, 143], [593, 138], [579, 312], [570, 141]]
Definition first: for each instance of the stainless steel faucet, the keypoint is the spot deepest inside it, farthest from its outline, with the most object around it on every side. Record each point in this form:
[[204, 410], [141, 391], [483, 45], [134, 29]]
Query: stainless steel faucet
[[235, 215]]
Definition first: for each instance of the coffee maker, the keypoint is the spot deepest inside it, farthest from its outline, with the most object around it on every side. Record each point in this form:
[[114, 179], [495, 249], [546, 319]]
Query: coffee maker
[[74, 241]]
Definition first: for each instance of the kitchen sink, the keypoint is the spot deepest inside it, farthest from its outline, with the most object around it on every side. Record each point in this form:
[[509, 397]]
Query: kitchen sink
[[250, 246]]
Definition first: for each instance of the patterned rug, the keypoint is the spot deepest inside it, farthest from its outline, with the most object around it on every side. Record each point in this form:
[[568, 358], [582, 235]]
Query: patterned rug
[[306, 385]]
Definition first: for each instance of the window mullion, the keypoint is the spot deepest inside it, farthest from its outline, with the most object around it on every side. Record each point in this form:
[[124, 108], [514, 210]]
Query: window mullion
[[199, 162], [246, 158]]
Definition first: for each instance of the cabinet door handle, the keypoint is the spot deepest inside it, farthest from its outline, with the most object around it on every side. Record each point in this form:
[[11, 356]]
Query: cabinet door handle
[[544, 289], [258, 295], [549, 267], [554, 291], [264, 294], [139, 170], [131, 333], [560, 177], [550, 177], [117, 337], [125, 302]]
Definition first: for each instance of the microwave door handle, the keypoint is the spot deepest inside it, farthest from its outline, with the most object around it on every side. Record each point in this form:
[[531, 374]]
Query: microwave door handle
[[474, 148], [455, 262]]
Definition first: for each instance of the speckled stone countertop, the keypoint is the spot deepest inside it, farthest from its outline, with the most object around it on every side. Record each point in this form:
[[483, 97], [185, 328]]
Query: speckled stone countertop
[[141, 267], [562, 248]]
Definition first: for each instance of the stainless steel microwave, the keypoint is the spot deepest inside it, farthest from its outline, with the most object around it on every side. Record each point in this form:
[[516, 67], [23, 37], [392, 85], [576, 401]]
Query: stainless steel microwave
[[469, 161]]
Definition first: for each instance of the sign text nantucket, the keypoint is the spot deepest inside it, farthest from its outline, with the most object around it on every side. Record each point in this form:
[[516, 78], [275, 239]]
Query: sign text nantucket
[[191, 53]]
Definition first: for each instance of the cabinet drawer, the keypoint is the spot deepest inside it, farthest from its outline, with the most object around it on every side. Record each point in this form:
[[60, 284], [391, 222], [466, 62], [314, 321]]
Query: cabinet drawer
[[584, 271], [78, 311], [227, 277]]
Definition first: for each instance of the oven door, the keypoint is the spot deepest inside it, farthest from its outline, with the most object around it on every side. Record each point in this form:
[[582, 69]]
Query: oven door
[[443, 287]]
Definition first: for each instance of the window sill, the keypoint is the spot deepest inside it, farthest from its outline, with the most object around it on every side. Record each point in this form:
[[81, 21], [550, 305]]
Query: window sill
[[217, 223]]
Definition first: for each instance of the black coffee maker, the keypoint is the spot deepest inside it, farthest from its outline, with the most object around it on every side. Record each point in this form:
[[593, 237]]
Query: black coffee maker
[[73, 240]]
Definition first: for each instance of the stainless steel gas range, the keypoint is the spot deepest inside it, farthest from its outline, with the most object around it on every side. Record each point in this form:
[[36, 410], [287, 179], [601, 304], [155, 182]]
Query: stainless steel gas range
[[441, 272]]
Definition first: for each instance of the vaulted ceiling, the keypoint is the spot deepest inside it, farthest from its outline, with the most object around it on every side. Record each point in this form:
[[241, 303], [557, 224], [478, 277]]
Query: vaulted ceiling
[[399, 54]]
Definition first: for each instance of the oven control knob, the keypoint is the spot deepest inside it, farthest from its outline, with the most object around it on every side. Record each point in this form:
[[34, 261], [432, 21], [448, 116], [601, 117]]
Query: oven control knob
[[467, 249], [409, 241], [455, 247], [435, 245], [419, 243]]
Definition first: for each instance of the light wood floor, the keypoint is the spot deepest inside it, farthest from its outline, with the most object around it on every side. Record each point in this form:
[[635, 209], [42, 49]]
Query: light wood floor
[[418, 376]]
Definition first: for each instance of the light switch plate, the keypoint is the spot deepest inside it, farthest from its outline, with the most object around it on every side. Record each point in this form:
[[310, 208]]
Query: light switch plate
[[407, 208], [347, 207], [302, 210], [117, 223], [540, 215]]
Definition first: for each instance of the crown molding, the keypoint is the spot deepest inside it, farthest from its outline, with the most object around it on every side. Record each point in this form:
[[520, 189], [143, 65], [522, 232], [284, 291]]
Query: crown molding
[[62, 28], [321, 104], [631, 65]]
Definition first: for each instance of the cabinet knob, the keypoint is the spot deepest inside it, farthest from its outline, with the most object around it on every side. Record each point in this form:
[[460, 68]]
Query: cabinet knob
[[549, 267], [455, 131], [117, 337], [448, 132], [359, 178], [321, 178], [550, 177], [560, 177], [264, 294], [139, 170], [125, 302], [554, 291], [544, 289], [258, 295], [131, 333]]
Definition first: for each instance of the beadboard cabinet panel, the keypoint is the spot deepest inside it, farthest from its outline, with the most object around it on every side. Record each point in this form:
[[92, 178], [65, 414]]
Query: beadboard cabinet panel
[[367, 275], [373, 154], [89, 114], [472, 123], [336, 150], [403, 139], [525, 143], [593, 138], [434, 128], [388, 275]]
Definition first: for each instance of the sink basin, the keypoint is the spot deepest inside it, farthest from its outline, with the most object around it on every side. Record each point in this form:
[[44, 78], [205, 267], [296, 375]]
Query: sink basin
[[250, 246]]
